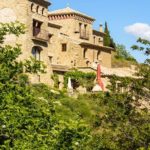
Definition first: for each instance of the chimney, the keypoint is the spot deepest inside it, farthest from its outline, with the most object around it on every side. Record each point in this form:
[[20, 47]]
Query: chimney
[[101, 28]]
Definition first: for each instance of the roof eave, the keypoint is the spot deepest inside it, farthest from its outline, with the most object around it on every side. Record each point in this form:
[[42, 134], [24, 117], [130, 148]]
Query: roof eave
[[98, 32], [88, 17], [96, 46]]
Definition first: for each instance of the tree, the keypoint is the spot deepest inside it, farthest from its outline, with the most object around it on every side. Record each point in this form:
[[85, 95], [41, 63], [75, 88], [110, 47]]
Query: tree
[[143, 47], [124, 123], [143, 85], [121, 53], [28, 121], [108, 40]]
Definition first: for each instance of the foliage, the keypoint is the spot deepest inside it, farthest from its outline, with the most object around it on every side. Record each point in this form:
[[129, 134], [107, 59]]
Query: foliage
[[121, 53], [142, 86], [34, 66], [28, 119], [56, 80], [124, 121], [121, 126], [108, 40], [145, 46], [80, 79], [73, 136], [82, 108], [11, 28], [37, 117], [144, 42], [122, 58]]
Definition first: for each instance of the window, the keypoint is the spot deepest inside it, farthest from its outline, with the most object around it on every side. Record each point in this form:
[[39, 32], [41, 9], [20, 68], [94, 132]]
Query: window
[[51, 59], [42, 11], [98, 54], [64, 47], [84, 53], [85, 27], [94, 39], [32, 6], [37, 9], [36, 27], [99, 40], [80, 27], [36, 51]]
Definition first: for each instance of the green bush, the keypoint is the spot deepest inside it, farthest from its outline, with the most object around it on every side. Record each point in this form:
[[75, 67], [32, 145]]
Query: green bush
[[80, 79]]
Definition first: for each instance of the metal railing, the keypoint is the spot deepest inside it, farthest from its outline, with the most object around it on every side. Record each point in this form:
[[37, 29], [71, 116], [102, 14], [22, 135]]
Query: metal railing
[[40, 34], [84, 35]]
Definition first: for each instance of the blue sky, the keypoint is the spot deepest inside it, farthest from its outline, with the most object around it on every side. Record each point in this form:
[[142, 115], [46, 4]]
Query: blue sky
[[134, 15]]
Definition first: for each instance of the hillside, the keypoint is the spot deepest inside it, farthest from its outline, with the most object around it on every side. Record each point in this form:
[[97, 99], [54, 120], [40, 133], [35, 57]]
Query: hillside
[[37, 116], [122, 58]]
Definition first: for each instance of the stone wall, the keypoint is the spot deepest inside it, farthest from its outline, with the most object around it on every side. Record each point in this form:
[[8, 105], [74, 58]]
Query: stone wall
[[20, 10], [61, 31]]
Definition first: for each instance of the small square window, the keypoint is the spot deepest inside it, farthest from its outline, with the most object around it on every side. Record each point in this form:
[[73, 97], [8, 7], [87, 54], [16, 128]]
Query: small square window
[[64, 47], [51, 59]]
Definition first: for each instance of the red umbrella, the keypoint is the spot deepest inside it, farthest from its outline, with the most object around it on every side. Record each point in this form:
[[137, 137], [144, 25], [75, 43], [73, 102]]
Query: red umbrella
[[99, 80]]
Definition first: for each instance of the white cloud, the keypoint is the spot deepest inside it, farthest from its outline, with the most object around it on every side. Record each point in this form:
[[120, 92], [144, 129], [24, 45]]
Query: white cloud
[[139, 30]]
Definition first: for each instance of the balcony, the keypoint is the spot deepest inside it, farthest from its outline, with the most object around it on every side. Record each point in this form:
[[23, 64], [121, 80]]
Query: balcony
[[41, 34], [84, 35]]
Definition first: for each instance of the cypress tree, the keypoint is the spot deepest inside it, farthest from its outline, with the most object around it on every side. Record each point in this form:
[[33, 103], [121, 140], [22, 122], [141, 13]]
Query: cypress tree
[[108, 40]]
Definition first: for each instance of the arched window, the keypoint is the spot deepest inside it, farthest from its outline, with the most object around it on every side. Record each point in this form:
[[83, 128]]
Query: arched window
[[43, 11], [36, 52], [37, 9], [32, 6]]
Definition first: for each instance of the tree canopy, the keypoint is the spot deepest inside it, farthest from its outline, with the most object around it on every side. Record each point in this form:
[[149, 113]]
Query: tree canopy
[[122, 53], [33, 116], [27, 121]]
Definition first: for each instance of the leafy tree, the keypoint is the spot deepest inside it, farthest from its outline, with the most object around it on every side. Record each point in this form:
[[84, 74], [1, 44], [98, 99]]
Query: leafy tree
[[121, 53], [142, 87], [145, 46], [28, 118], [28, 121], [124, 123]]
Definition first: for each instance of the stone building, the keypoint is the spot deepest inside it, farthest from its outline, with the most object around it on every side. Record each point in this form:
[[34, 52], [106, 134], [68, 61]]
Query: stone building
[[62, 39]]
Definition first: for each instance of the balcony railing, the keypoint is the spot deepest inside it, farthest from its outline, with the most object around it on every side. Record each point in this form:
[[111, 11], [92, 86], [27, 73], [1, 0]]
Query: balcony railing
[[84, 35], [40, 34]]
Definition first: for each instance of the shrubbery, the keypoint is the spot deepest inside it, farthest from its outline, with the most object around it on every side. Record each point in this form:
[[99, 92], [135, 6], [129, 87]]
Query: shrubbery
[[27, 112], [80, 79], [38, 117]]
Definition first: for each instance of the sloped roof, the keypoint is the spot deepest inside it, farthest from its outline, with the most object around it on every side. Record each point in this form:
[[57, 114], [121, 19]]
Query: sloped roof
[[69, 10]]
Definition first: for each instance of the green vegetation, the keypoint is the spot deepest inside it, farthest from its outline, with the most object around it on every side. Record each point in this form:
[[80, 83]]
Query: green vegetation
[[80, 79], [108, 40], [38, 117], [56, 80], [122, 58], [144, 46], [122, 53], [28, 121]]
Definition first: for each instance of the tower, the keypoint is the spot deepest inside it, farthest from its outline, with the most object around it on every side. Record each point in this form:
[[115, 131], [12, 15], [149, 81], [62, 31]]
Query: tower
[[35, 41]]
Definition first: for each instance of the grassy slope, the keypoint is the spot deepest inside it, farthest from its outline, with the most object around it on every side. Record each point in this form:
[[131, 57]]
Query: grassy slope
[[120, 62], [84, 107]]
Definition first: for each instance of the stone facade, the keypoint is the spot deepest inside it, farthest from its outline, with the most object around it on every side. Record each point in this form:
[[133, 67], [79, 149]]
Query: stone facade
[[62, 39]]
